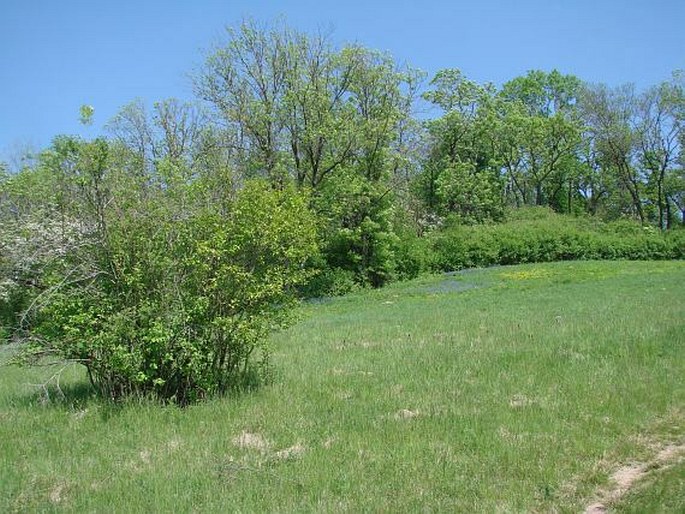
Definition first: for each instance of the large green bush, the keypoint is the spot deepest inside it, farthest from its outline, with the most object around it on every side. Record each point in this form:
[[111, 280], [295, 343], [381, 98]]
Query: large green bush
[[171, 291], [676, 240], [539, 235], [358, 236]]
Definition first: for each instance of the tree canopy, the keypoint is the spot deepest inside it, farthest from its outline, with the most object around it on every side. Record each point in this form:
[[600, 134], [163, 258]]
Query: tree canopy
[[162, 254]]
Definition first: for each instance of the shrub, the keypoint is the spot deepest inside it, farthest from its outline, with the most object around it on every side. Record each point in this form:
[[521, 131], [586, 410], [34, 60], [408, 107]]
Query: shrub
[[176, 304], [539, 235], [413, 255], [676, 242], [357, 232], [329, 282]]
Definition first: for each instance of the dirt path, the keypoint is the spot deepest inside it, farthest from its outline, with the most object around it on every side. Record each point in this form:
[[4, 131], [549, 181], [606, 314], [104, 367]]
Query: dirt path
[[625, 478]]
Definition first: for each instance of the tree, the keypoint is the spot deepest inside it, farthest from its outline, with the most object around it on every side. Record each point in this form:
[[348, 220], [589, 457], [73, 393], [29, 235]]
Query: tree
[[37, 227], [610, 116], [522, 142], [539, 138], [661, 112], [461, 175], [544, 94], [302, 112], [173, 132], [674, 187], [638, 139]]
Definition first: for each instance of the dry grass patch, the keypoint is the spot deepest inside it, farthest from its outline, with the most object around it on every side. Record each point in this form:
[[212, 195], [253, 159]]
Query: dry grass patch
[[251, 441], [404, 414], [291, 452]]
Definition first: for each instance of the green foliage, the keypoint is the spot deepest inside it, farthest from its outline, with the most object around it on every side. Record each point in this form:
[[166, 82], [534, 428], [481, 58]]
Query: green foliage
[[676, 240], [326, 119], [357, 227], [539, 235], [543, 93], [637, 142], [177, 307], [413, 255], [158, 282], [461, 172], [470, 196], [86, 114], [33, 237], [547, 139], [327, 282]]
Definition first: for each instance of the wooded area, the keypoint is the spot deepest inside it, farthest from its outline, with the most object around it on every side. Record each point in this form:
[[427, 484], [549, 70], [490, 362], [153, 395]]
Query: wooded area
[[161, 255]]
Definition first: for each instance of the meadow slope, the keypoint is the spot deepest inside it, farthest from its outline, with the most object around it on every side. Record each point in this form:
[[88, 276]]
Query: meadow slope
[[516, 388]]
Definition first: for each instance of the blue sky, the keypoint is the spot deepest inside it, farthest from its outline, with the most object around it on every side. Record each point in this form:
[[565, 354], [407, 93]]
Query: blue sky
[[57, 55]]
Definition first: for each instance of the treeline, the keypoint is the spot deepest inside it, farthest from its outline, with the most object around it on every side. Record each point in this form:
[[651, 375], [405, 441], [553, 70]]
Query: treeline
[[160, 256]]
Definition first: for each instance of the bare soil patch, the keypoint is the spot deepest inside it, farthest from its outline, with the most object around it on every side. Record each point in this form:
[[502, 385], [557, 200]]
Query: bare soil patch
[[626, 477]]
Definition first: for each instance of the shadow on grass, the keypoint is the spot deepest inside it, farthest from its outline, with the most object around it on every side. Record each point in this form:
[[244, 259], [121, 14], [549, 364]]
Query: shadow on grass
[[455, 282], [71, 395], [77, 394], [449, 285]]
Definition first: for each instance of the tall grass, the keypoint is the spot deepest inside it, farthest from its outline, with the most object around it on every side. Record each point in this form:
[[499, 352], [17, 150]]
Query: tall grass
[[507, 389]]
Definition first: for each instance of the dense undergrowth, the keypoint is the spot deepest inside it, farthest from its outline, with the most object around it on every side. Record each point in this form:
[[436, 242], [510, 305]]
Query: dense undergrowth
[[539, 235], [528, 235]]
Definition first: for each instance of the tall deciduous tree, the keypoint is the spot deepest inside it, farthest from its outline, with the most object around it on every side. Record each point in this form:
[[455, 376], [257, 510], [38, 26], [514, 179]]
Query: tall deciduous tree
[[638, 141], [610, 116], [541, 138], [661, 114], [301, 111], [461, 174]]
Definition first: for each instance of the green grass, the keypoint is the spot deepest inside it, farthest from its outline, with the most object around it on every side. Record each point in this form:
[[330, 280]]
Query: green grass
[[507, 389], [660, 492]]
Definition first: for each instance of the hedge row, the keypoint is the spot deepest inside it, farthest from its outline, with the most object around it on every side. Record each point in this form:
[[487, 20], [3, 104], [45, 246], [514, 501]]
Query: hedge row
[[538, 235]]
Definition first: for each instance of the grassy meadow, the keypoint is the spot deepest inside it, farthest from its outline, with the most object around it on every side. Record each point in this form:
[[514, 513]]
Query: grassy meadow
[[505, 389]]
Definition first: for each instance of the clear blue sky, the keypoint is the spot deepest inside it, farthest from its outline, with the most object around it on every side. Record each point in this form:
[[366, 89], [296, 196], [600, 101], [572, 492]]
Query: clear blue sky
[[56, 55]]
